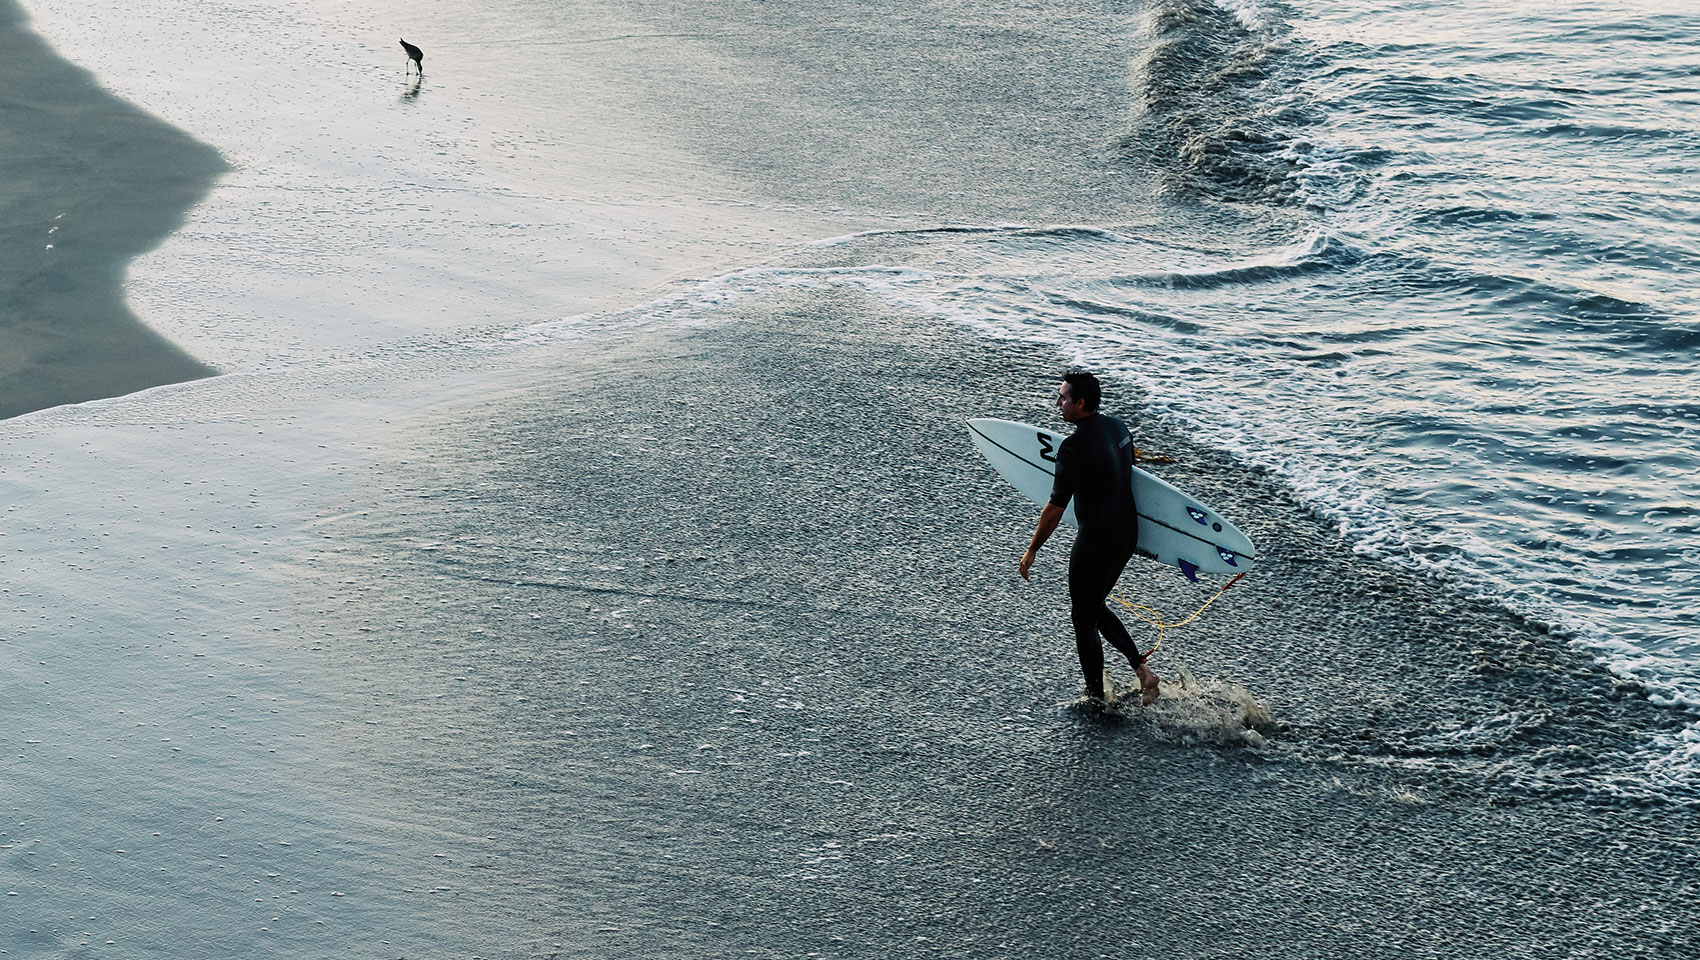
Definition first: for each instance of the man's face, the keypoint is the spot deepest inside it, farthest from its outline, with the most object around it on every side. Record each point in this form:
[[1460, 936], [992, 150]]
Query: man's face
[[1072, 410]]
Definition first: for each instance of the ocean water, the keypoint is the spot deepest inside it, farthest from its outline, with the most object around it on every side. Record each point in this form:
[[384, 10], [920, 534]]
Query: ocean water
[[1419, 270], [1468, 341], [1427, 263]]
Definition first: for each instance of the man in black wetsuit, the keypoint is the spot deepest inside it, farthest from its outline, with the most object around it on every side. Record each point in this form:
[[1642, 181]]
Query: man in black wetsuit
[[1095, 469]]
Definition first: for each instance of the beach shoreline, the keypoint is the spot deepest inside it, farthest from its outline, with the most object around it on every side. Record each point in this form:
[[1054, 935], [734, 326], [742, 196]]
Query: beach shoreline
[[741, 601], [363, 211], [709, 635], [92, 183], [566, 563]]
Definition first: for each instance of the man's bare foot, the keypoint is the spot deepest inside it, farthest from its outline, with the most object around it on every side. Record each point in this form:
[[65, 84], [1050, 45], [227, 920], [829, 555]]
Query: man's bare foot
[[1148, 685]]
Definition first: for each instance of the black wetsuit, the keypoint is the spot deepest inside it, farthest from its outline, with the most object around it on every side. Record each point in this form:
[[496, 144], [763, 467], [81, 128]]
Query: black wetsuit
[[1095, 469]]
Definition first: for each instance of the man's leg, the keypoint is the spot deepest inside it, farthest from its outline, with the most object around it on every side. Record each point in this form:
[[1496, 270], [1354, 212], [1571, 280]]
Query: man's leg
[[1148, 679], [1091, 658], [1092, 572], [1111, 627]]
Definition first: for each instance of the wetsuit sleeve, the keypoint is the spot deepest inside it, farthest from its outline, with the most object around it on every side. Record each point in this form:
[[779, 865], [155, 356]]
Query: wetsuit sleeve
[[1068, 474]]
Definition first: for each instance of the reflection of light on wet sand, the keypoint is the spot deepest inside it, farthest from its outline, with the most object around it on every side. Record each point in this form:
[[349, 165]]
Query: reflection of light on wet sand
[[353, 224]]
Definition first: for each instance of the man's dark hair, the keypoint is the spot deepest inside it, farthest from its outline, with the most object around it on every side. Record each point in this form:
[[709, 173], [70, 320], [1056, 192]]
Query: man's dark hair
[[1085, 388]]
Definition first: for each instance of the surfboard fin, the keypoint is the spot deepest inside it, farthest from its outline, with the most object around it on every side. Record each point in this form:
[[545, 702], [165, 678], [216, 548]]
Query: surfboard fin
[[1189, 569]]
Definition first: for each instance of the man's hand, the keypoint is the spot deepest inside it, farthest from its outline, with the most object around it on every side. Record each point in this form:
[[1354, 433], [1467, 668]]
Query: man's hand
[[1048, 520]]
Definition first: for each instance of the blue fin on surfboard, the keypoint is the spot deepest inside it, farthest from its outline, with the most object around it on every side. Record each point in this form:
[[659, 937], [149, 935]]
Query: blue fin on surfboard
[[1189, 569]]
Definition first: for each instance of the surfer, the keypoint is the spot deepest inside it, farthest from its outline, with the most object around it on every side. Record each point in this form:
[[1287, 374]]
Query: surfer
[[1095, 469]]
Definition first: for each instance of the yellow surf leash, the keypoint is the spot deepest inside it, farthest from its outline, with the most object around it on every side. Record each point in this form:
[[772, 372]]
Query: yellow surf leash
[[1155, 619]]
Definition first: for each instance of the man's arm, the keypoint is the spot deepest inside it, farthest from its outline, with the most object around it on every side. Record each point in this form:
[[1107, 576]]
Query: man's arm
[[1048, 520]]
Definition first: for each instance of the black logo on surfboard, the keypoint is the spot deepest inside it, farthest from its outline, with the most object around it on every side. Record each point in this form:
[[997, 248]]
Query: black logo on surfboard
[[1045, 448]]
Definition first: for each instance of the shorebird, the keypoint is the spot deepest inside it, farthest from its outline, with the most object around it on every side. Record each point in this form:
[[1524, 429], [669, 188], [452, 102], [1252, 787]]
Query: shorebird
[[415, 55]]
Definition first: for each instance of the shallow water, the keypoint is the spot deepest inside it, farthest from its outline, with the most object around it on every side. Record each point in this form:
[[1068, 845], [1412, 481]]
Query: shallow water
[[585, 521], [1426, 261]]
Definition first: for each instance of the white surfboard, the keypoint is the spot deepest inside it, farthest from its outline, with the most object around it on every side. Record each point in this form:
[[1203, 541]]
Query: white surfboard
[[1173, 528]]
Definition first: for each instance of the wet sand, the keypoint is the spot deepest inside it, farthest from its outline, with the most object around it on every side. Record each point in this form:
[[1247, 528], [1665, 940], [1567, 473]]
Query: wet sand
[[712, 642], [709, 642], [91, 183]]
